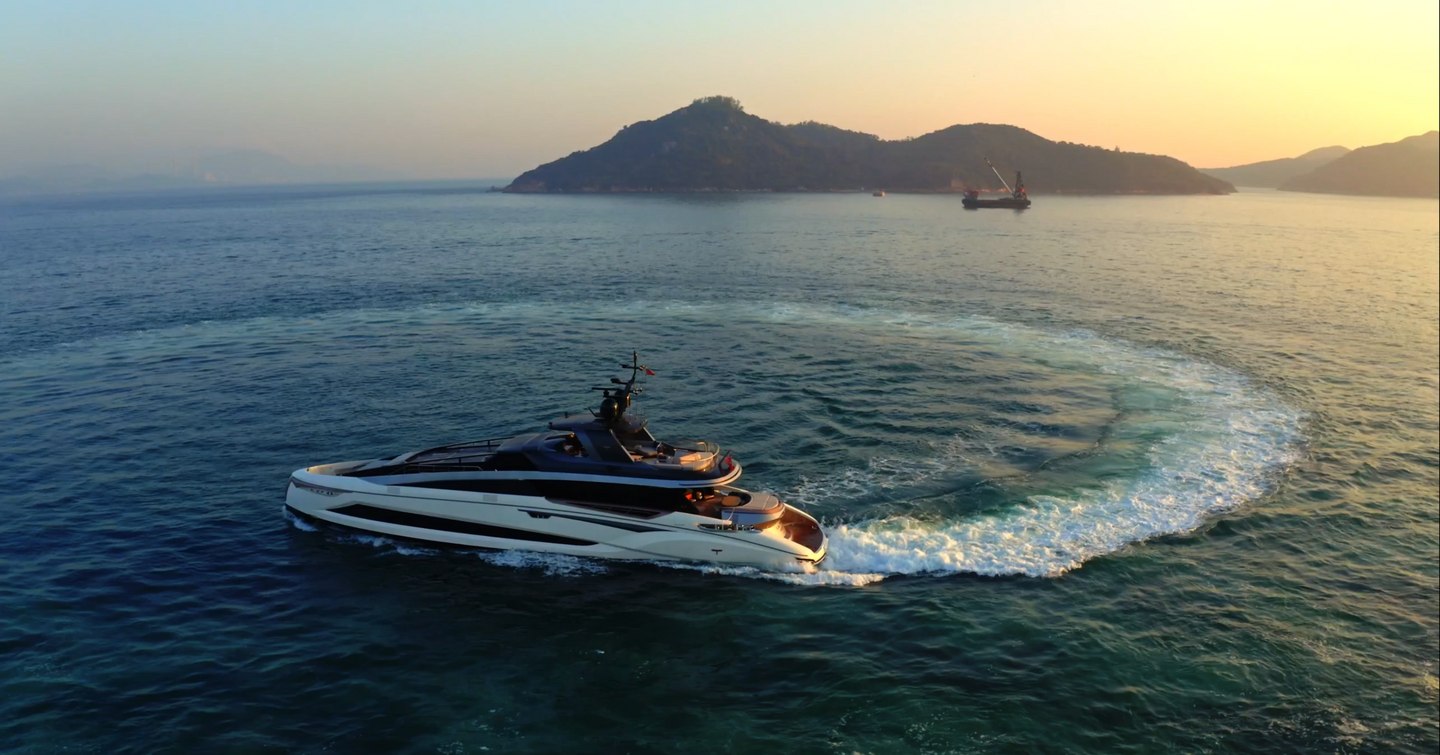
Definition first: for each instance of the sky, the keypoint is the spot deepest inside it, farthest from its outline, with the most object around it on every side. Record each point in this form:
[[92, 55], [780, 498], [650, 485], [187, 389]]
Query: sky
[[491, 89]]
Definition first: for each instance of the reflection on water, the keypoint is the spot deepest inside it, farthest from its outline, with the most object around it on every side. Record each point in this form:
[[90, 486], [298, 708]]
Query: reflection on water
[[1191, 443]]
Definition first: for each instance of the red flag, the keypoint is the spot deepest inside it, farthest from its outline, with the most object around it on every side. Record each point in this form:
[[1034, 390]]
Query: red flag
[[649, 371]]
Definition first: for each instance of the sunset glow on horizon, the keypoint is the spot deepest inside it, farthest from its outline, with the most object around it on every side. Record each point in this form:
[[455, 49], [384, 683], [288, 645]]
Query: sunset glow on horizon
[[450, 90]]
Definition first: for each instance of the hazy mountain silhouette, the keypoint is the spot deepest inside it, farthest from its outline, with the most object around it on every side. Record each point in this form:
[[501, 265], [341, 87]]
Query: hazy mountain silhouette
[[1271, 173], [229, 168], [714, 145], [253, 166], [1407, 168], [80, 177]]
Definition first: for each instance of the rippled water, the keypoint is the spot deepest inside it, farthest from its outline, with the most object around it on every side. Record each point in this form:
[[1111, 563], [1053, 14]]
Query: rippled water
[[1110, 474]]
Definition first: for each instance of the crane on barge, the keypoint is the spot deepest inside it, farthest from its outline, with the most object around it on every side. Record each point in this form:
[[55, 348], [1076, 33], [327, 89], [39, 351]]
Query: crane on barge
[[1018, 199]]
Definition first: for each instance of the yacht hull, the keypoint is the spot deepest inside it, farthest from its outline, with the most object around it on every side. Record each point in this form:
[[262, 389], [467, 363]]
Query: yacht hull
[[500, 521]]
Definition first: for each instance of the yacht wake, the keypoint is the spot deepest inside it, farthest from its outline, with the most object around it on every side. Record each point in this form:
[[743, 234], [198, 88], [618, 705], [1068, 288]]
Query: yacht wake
[[1225, 443], [1216, 441]]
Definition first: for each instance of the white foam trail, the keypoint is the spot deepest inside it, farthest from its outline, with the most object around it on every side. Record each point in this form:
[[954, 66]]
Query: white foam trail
[[552, 564], [882, 475], [380, 542], [1235, 438], [799, 576], [297, 522]]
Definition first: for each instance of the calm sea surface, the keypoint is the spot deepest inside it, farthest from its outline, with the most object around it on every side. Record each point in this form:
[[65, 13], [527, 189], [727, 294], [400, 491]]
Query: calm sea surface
[[1111, 475]]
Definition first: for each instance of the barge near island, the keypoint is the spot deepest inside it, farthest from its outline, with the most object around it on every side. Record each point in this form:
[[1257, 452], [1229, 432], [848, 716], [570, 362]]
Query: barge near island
[[1018, 199]]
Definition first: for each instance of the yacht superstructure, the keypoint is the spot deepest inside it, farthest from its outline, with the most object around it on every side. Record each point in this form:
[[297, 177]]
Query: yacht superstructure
[[598, 485]]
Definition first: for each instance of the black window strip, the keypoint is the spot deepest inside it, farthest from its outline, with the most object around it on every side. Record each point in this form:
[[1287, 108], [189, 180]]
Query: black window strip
[[508, 487], [631, 500], [411, 519], [603, 522]]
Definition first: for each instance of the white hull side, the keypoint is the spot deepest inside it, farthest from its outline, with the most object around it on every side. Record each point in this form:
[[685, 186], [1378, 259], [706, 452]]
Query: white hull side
[[517, 522]]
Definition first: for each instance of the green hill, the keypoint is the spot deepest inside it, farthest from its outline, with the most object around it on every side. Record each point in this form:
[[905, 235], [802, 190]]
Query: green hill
[[1407, 168], [1271, 173], [714, 145]]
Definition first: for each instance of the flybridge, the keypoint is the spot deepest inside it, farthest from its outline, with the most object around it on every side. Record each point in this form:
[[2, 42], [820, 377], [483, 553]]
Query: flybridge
[[611, 442]]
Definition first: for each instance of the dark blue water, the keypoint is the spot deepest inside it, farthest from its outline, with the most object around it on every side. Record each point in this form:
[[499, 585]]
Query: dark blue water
[[1139, 474]]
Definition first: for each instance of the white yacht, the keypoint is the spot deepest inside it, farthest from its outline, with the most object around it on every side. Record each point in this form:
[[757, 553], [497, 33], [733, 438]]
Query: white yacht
[[599, 485]]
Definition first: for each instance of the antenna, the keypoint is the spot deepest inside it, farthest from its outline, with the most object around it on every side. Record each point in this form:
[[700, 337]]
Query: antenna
[[997, 175], [619, 394]]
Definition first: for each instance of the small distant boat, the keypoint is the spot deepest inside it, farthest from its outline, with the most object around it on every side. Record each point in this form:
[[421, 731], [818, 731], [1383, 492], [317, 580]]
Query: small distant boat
[[878, 193], [1018, 199]]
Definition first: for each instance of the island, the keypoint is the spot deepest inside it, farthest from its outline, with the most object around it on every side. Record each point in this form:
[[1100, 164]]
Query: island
[[714, 145], [1270, 174], [1407, 168]]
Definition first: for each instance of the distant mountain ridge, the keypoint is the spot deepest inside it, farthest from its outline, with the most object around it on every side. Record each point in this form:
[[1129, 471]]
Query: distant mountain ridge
[[1407, 168], [714, 145], [1269, 174], [253, 166], [240, 167]]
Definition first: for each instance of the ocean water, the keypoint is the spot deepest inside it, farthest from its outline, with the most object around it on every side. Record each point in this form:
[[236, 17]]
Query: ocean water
[[1140, 474]]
